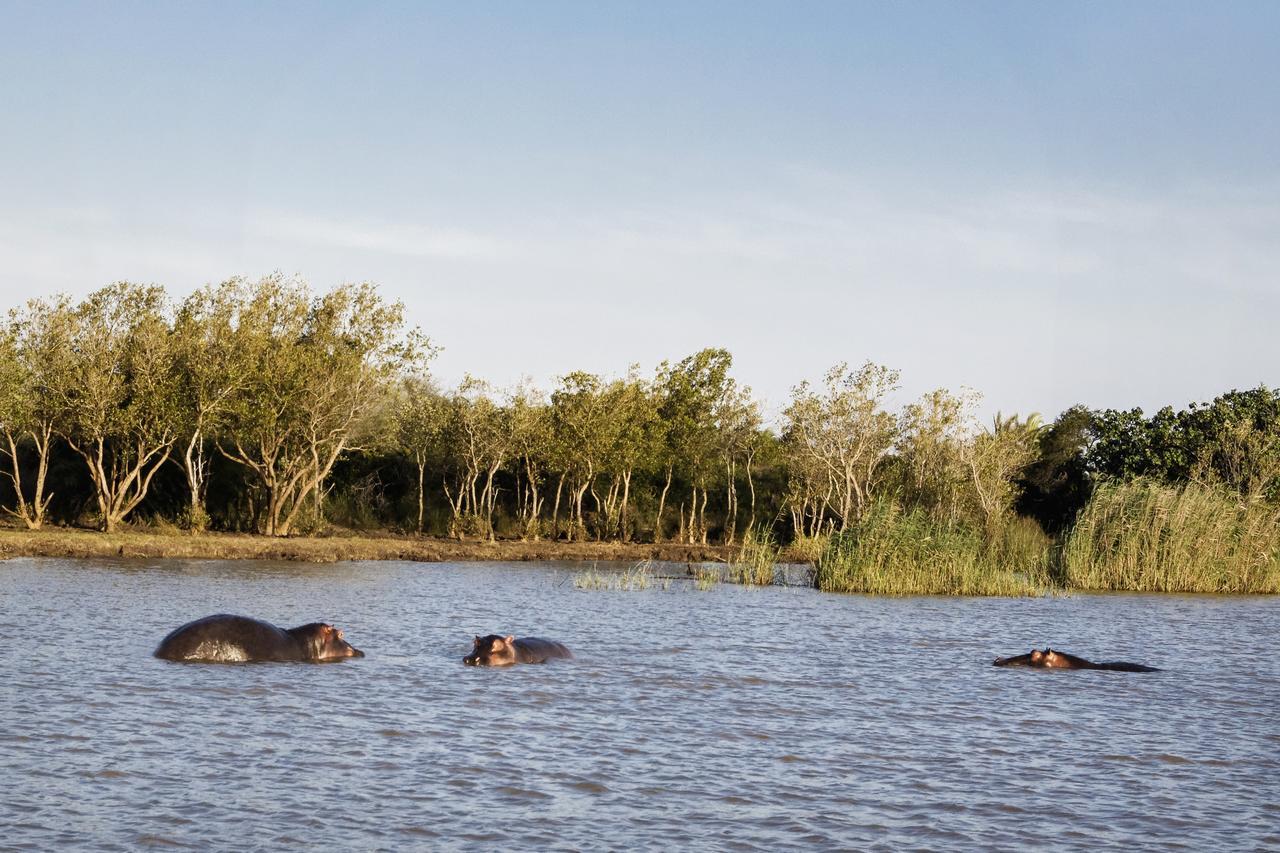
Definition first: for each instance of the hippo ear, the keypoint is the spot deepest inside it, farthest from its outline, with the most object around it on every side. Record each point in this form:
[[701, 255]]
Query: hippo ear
[[477, 640], [509, 639]]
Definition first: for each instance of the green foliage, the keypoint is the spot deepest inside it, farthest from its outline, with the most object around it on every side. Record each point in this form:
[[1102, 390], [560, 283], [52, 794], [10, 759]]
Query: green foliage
[[1176, 446], [909, 552], [1055, 486], [1143, 535], [193, 519]]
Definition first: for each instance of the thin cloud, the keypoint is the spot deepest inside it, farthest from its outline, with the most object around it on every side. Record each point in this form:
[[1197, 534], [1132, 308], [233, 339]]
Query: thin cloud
[[407, 239]]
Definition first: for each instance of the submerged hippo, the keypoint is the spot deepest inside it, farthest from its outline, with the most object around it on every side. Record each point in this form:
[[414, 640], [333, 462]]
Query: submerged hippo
[[224, 638], [495, 650], [1049, 659]]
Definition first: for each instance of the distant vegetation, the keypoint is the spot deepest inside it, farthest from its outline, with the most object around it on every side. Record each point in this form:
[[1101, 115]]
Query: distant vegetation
[[260, 406]]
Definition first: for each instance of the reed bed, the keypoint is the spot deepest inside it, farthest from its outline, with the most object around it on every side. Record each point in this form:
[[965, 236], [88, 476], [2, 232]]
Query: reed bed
[[896, 551], [705, 578], [806, 549], [635, 579], [756, 559], [1150, 537]]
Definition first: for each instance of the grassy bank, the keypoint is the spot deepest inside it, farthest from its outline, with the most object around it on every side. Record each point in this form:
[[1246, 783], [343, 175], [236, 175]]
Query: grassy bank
[[64, 542], [893, 551], [1148, 537]]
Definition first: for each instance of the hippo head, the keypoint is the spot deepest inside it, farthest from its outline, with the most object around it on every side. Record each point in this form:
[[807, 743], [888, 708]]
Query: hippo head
[[493, 650], [325, 642], [1039, 658], [1054, 660]]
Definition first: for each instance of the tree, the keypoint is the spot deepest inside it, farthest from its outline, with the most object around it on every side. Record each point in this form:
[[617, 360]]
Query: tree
[[583, 434], [633, 436], [33, 349], [842, 436], [738, 424], [211, 369], [996, 458], [1231, 441], [420, 420], [531, 439], [478, 431], [1055, 486], [115, 394], [934, 431], [690, 393], [316, 369]]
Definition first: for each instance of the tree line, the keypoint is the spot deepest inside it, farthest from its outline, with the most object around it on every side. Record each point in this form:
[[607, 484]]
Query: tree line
[[260, 405]]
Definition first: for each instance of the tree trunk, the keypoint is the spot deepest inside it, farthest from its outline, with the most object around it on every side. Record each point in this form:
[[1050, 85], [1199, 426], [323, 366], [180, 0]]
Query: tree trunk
[[691, 530], [533, 506], [730, 502], [626, 496], [32, 514], [579, 525], [555, 514], [662, 502], [702, 519], [119, 486], [422, 500]]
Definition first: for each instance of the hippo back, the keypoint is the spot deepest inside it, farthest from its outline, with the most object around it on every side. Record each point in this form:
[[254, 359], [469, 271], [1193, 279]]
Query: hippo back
[[538, 650], [227, 638]]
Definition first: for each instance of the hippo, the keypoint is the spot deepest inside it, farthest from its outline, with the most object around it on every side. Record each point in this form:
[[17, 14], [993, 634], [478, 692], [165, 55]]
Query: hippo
[[1049, 659], [496, 650], [224, 638]]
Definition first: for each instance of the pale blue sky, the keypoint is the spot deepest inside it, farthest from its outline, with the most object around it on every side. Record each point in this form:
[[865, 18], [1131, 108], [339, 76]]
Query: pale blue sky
[[1048, 202]]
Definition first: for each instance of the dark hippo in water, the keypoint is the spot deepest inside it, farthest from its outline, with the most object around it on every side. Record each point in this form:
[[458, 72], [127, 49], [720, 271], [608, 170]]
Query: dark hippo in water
[[495, 650], [1049, 659], [224, 638]]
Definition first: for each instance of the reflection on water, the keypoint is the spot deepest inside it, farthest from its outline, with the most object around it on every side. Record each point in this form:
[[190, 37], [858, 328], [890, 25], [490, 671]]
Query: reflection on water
[[730, 718]]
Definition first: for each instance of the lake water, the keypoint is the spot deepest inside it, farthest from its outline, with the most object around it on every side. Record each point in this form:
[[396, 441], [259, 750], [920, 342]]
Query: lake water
[[732, 718]]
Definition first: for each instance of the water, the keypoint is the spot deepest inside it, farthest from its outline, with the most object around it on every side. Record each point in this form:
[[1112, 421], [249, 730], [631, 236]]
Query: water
[[731, 719]]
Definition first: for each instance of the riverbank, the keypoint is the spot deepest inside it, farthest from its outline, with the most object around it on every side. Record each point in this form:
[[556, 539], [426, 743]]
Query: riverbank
[[67, 542]]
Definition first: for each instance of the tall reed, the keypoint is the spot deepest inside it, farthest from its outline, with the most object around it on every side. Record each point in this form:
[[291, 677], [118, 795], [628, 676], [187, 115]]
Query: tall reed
[[896, 551], [756, 558], [635, 579], [1151, 537]]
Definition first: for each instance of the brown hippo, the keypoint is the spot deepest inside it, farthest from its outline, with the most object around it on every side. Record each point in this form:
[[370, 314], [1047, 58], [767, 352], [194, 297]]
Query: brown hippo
[[495, 650], [1049, 659], [224, 638]]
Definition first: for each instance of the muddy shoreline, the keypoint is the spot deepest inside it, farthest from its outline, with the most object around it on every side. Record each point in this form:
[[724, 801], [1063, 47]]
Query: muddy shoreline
[[64, 542]]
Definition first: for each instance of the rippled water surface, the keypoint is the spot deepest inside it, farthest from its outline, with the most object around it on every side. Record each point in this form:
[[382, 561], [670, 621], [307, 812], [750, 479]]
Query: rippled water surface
[[732, 718]]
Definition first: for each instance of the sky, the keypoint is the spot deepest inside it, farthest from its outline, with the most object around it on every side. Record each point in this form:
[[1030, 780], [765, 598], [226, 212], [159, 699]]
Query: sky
[[1048, 202]]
